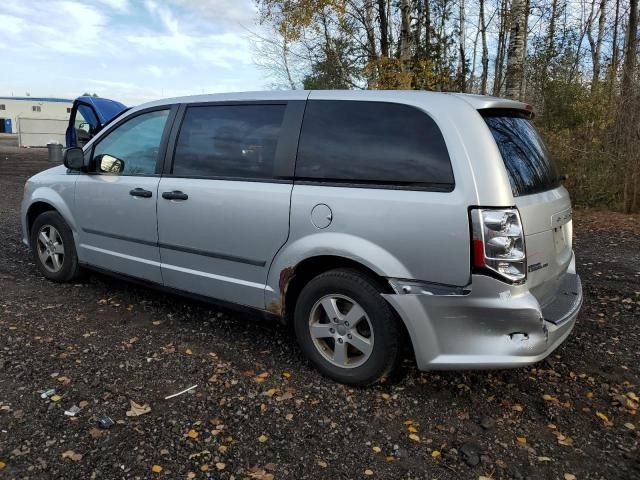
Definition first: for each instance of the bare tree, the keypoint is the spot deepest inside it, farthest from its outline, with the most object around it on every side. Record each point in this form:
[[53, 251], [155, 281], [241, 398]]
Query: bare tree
[[485, 49], [502, 46], [462, 59], [384, 27], [596, 44]]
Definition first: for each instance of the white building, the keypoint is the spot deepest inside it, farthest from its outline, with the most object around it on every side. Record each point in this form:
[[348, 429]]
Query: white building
[[37, 121]]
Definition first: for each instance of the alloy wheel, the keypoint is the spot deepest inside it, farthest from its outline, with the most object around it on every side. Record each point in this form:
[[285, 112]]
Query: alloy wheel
[[50, 248], [341, 331]]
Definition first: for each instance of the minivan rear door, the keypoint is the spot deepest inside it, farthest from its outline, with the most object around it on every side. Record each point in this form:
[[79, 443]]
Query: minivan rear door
[[544, 204], [224, 198], [88, 116]]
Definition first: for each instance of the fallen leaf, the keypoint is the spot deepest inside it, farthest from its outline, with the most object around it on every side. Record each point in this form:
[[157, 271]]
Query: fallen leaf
[[412, 429], [2, 465], [482, 477], [83, 404], [156, 322], [517, 408], [544, 459], [414, 437], [137, 409], [56, 398], [204, 467], [97, 432], [435, 454], [322, 464], [284, 396], [191, 475], [522, 440], [549, 398], [408, 422], [263, 438], [271, 392], [70, 454], [569, 476], [220, 466], [630, 426], [286, 374], [222, 449], [192, 434], [376, 449], [188, 351], [385, 396], [289, 416], [602, 416], [156, 469], [368, 472]]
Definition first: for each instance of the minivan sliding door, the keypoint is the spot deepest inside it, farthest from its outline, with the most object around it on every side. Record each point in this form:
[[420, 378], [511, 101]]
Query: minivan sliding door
[[223, 210]]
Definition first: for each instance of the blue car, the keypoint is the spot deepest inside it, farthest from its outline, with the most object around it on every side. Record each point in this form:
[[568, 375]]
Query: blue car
[[89, 115]]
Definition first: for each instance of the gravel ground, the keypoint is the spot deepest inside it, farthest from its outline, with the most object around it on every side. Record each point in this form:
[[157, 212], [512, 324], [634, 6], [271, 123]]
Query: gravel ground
[[261, 412]]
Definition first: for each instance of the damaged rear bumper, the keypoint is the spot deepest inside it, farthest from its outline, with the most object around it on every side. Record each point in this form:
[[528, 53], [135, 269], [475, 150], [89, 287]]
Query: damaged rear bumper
[[492, 325]]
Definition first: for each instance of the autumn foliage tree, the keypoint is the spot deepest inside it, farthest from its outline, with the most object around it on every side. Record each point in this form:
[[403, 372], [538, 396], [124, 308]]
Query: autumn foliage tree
[[575, 61]]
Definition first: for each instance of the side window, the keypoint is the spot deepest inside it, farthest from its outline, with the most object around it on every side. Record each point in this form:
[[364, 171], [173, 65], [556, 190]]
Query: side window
[[372, 142], [237, 141], [132, 148]]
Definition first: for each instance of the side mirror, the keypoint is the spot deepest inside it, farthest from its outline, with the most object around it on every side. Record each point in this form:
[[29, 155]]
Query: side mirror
[[109, 164], [74, 158]]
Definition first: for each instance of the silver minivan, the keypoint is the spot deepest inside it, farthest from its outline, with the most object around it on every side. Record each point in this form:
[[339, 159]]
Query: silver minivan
[[366, 219]]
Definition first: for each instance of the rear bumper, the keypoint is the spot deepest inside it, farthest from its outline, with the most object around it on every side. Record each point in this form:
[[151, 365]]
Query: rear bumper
[[494, 325]]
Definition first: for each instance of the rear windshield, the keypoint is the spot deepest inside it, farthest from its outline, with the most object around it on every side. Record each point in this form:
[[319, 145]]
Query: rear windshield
[[525, 155]]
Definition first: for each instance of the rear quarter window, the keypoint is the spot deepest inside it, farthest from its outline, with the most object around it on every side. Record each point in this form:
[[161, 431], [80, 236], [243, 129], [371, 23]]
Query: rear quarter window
[[372, 143], [525, 156]]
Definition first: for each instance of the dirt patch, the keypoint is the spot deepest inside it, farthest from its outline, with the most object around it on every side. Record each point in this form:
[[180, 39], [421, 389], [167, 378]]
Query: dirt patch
[[260, 410]]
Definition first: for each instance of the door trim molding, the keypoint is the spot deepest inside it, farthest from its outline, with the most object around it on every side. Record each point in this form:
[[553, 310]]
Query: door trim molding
[[178, 248], [207, 253], [120, 237]]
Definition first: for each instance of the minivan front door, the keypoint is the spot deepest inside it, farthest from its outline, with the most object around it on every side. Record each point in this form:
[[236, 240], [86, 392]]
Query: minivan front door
[[222, 213], [116, 201]]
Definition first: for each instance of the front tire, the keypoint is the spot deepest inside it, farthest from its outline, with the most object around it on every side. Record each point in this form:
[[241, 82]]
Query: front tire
[[53, 248], [346, 329]]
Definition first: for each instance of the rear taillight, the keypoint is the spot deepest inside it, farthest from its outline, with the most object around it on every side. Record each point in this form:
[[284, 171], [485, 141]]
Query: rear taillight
[[498, 243]]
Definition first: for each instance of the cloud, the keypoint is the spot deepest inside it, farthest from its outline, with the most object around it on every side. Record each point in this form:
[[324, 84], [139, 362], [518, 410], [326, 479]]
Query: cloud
[[121, 5], [132, 51], [235, 14]]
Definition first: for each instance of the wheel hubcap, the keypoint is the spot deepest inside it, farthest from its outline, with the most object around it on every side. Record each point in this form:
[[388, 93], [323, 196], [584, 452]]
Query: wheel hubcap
[[50, 248], [341, 331]]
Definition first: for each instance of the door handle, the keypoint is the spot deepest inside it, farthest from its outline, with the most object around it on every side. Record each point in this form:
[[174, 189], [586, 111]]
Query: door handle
[[140, 192], [175, 195]]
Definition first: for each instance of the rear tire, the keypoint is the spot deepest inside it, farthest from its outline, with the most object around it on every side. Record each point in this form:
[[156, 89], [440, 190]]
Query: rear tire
[[53, 247], [346, 329]]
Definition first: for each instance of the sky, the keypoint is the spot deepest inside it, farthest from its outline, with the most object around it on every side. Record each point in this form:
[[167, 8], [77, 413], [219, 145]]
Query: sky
[[128, 50]]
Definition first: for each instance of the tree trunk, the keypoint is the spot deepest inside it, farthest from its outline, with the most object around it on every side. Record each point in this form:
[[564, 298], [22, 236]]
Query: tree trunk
[[596, 44], [628, 125], [462, 60], [502, 43], [615, 51], [525, 38], [485, 51], [384, 28], [405, 32], [596, 56], [515, 54], [417, 38], [631, 50]]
